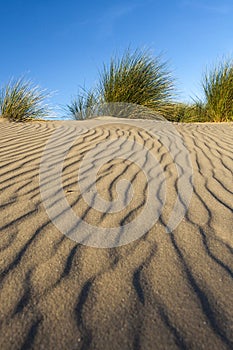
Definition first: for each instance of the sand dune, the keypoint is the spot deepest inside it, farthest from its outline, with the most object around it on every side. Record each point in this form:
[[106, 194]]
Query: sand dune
[[160, 291]]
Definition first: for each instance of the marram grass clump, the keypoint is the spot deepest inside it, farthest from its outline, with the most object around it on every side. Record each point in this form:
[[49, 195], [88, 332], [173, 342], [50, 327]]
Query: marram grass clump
[[186, 113], [138, 78], [217, 102], [21, 100], [217, 85], [83, 106], [135, 79]]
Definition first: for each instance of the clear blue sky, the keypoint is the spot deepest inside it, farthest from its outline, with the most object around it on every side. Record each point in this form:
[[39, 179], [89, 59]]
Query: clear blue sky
[[61, 45]]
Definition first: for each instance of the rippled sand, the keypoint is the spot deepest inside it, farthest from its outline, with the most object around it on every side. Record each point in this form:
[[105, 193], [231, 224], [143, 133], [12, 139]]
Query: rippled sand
[[161, 291]]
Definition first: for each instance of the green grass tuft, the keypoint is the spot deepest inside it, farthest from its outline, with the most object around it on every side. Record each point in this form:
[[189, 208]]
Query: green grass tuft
[[134, 79], [218, 89], [83, 106], [20, 100]]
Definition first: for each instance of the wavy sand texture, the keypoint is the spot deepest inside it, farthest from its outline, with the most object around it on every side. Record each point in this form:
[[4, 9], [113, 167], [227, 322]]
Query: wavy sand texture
[[162, 291]]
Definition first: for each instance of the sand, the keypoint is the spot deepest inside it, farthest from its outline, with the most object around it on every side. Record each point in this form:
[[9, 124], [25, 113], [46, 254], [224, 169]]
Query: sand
[[161, 291]]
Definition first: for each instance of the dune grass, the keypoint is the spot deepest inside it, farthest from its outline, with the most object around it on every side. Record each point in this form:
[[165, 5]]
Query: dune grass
[[21, 100], [217, 104], [218, 90], [187, 113], [136, 79], [139, 85], [135, 85], [83, 106]]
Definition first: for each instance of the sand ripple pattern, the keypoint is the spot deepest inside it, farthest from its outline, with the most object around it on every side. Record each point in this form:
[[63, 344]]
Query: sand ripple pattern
[[161, 291], [130, 147]]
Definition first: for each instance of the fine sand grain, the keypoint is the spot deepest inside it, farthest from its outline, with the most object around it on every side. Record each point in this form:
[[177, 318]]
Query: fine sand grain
[[161, 291]]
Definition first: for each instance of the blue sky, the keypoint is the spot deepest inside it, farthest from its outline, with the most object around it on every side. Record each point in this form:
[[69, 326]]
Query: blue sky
[[61, 45]]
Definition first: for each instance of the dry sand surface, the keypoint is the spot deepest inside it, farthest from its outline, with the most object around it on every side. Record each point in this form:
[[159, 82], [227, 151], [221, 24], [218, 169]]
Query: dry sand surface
[[161, 291]]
